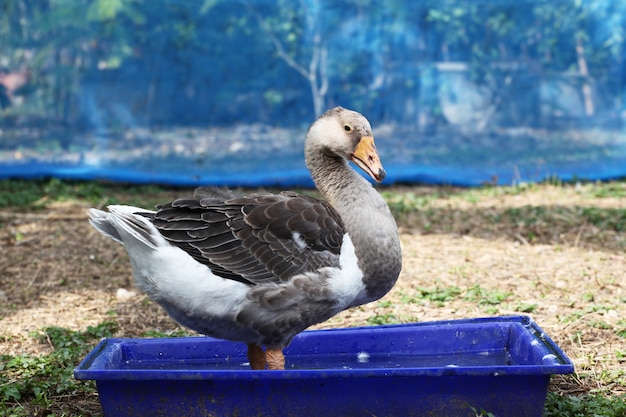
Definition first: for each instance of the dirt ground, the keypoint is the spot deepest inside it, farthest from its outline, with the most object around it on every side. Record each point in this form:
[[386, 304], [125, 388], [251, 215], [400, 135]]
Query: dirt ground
[[55, 270]]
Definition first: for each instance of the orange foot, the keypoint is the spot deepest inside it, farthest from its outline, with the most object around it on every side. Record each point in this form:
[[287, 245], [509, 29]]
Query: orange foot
[[275, 359], [256, 356]]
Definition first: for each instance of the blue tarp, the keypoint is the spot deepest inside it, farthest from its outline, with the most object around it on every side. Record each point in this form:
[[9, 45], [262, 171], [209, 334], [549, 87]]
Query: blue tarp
[[222, 92]]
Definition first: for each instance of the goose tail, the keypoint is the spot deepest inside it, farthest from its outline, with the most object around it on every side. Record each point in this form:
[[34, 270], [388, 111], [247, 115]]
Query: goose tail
[[124, 223]]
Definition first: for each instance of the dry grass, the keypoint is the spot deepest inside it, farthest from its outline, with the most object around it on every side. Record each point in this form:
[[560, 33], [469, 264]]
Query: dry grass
[[547, 251]]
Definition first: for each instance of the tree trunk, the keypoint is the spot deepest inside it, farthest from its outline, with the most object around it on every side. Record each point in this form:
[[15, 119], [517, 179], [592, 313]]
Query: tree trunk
[[584, 72]]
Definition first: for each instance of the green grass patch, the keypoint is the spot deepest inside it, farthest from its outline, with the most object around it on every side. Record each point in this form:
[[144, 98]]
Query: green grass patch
[[525, 217], [577, 315], [613, 189], [38, 194], [439, 212], [160, 334], [490, 298], [621, 332], [584, 406], [438, 294], [486, 297], [28, 382], [479, 412], [525, 308], [402, 203], [435, 294], [534, 223], [380, 319], [598, 324]]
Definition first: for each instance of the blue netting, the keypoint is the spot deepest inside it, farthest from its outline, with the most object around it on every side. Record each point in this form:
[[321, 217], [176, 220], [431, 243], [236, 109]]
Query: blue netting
[[221, 92]]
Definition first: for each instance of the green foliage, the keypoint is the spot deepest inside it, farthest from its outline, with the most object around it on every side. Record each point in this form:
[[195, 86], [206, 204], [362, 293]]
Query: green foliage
[[37, 194], [584, 406], [402, 203], [538, 223], [381, 319], [440, 294], [483, 296], [479, 412], [160, 334], [610, 219], [101, 10], [436, 295], [60, 337], [602, 218], [499, 42], [526, 308], [593, 308], [27, 378], [613, 189]]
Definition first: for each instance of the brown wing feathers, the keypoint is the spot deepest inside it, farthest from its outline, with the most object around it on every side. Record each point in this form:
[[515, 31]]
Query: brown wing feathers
[[253, 239]]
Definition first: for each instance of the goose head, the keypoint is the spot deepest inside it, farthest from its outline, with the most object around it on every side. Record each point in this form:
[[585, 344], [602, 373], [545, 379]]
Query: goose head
[[345, 134]]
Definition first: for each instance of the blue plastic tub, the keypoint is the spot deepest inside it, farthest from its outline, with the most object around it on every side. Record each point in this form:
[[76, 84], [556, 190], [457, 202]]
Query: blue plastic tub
[[447, 368]]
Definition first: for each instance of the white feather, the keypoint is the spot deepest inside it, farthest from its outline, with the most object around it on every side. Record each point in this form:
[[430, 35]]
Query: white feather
[[346, 283], [298, 240], [166, 273], [188, 289]]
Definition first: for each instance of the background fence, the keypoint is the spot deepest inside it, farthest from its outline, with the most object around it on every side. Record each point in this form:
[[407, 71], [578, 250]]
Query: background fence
[[222, 92]]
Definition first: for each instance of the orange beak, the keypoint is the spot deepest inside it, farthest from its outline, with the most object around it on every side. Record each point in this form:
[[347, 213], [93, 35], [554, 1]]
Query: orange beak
[[366, 158]]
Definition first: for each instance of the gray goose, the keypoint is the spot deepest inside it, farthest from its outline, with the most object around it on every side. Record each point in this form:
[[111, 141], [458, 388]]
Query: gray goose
[[261, 268]]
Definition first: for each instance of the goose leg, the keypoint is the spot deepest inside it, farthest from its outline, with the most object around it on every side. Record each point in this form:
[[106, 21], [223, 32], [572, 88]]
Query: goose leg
[[256, 356], [275, 359]]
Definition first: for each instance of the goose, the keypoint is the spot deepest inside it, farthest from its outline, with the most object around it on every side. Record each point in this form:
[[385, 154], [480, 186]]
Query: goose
[[261, 268]]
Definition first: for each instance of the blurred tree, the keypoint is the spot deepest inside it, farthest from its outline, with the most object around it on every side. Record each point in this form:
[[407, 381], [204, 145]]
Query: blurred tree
[[513, 47], [286, 30], [214, 60]]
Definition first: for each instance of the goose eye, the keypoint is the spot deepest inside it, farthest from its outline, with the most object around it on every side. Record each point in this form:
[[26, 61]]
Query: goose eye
[[347, 128]]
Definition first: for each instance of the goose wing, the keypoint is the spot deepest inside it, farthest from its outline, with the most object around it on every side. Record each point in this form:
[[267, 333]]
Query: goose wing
[[256, 238]]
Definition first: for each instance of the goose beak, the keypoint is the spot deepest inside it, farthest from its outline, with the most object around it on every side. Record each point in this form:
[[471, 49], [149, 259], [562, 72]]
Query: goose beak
[[366, 158]]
